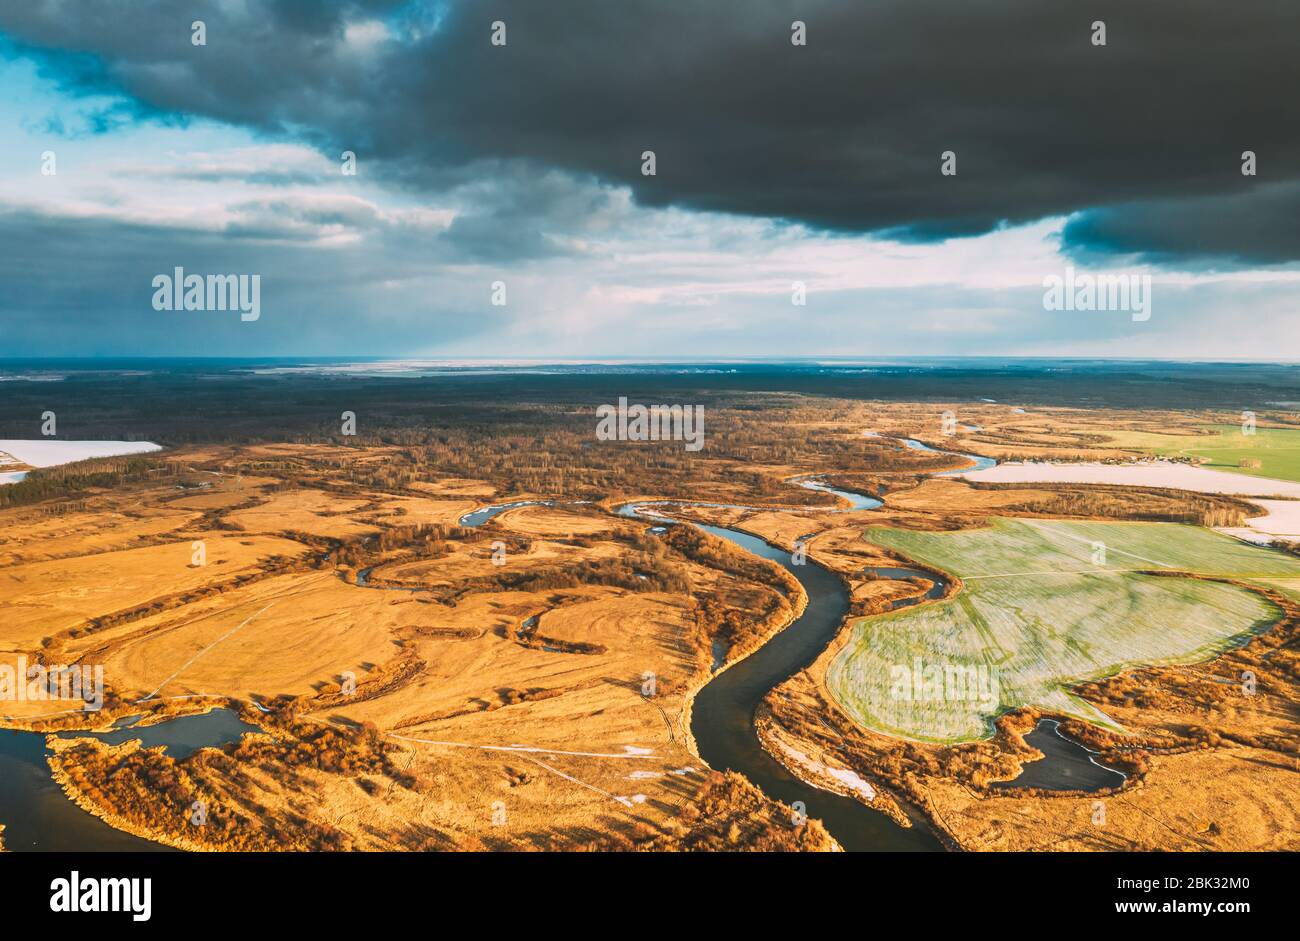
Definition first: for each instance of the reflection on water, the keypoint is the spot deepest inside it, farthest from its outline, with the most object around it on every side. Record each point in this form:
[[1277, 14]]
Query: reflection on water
[[180, 737], [719, 649], [938, 585], [363, 581], [1065, 766], [857, 501], [981, 463], [479, 517], [37, 815]]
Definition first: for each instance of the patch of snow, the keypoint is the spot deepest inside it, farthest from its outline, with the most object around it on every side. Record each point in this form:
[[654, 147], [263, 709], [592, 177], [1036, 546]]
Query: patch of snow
[[1282, 518], [846, 776], [51, 452], [853, 781], [1171, 474]]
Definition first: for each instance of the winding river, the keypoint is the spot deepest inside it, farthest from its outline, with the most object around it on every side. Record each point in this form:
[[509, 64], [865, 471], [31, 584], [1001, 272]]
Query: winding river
[[981, 463], [722, 716], [37, 815]]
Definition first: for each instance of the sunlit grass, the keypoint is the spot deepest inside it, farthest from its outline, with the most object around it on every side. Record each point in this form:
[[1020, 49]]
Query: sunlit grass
[[1276, 449], [1041, 610]]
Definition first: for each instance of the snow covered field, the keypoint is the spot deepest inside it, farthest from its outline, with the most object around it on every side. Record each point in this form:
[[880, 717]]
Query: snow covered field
[[51, 452], [1282, 518], [1143, 474]]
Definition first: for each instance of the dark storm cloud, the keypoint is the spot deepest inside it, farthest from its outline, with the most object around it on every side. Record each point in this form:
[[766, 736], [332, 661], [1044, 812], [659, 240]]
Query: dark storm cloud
[[1253, 224], [844, 134]]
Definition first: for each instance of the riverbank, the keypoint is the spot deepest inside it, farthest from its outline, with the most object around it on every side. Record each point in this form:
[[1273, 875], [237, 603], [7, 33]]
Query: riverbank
[[473, 686], [63, 780], [1191, 732], [724, 711]]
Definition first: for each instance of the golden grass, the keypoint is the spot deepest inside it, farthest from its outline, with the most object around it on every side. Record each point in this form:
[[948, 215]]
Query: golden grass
[[299, 631], [1180, 807], [408, 511], [459, 674], [551, 522], [43, 598], [304, 511], [27, 536]]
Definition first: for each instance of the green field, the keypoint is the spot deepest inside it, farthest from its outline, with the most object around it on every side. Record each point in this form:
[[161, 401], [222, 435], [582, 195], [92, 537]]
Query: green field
[[1277, 449], [1041, 611], [1288, 586]]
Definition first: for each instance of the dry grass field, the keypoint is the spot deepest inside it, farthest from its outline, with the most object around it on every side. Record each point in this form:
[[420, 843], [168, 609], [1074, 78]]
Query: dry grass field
[[285, 635], [43, 599], [426, 686], [498, 731], [304, 511]]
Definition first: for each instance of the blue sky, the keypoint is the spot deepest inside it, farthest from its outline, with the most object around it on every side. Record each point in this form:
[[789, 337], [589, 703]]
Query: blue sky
[[159, 168]]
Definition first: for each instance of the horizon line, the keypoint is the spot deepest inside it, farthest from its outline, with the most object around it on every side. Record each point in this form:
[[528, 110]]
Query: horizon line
[[598, 359]]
